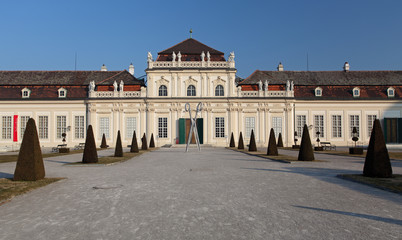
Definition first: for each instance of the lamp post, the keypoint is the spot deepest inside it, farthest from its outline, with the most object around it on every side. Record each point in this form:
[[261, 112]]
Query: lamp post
[[355, 150], [295, 139], [354, 135], [318, 138]]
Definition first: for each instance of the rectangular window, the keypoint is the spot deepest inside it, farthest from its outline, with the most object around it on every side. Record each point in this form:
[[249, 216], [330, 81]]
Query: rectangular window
[[43, 127], [104, 126], [23, 124], [277, 125], [79, 127], [162, 128], [219, 127], [131, 123], [336, 126], [250, 125], [300, 122], [61, 126], [370, 123], [6, 127], [319, 125], [354, 122]]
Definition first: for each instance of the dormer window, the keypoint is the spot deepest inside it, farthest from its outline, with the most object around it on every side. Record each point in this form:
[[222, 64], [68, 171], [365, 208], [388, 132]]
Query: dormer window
[[391, 92], [62, 93], [26, 93], [356, 92], [318, 92]]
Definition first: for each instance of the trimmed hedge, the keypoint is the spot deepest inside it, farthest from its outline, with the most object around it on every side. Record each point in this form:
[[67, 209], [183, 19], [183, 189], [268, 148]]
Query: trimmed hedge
[[103, 143], [252, 146], [30, 165], [232, 142], [144, 145], [241, 144], [272, 148], [134, 145], [306, 152], [118, 151], [152, 142], [377, 163], [280, 142], [90, 154]]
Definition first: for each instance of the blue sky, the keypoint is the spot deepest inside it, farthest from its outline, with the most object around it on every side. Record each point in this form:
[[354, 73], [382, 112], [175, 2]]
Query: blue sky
[[45, 35]]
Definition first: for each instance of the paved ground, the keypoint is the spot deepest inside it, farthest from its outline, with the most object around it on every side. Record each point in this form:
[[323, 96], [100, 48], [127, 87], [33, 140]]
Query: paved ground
[[213, 194]]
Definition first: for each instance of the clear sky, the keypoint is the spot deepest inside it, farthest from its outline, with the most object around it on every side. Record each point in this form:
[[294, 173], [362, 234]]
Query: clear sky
[[46, 34]]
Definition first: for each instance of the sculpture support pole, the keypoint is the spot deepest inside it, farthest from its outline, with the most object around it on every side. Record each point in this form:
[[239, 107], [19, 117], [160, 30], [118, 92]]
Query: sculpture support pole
[[193, 127]]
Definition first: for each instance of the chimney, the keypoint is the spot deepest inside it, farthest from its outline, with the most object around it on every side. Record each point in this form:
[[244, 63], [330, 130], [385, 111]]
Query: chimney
[[131, 69], [280, 67], [346, 67], [103, 68]]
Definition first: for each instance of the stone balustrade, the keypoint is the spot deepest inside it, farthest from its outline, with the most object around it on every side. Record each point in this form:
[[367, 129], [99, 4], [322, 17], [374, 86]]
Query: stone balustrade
[[190, 64]]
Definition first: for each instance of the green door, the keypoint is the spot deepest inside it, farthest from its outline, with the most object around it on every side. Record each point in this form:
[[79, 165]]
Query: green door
[[183, 125]]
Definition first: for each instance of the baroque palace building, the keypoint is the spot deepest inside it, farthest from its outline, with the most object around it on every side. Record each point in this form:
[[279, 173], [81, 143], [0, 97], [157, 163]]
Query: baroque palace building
[[329, 102]]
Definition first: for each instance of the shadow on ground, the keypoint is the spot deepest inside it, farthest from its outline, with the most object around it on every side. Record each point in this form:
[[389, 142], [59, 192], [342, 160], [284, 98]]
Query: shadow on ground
[[6, 175], [329, 175], [359, 215]]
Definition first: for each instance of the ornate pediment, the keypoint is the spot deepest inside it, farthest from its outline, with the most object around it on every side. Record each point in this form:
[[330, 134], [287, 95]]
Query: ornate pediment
[[162, 81], [190, 81], [219, 81]]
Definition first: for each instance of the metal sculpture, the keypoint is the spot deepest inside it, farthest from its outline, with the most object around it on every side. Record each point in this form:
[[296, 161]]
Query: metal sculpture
[[193, 127]]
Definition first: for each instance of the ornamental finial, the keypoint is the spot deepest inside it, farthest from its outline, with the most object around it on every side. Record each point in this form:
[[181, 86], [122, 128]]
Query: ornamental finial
[[191, 33]]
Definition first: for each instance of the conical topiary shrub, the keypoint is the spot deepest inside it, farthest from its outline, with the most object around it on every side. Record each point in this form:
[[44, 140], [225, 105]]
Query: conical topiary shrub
[[103, 143], [272, 149], [118, 151], [306, 149], [152, 142], [134, 145], [280, 142], [377, 162], [252, 147], [90, 154], [30, 165], [232, 143], [241, 144], [144, 145]]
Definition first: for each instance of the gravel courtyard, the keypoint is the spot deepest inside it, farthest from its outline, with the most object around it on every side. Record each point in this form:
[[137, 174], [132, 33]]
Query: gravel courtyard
[[213, 194]]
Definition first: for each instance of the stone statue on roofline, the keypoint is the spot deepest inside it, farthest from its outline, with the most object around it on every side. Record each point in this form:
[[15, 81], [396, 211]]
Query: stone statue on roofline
[[287, 86], [150, 59], [202, 56], [115, 86], [179, 57], [266, 85], [121, 87], [173, 56], [208, 56], [292, 86], [91, 86], [231, 57], [260, 85]]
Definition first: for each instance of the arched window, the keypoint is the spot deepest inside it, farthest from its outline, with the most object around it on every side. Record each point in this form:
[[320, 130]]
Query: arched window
[[162, 90], [191, 90], [219, 90]]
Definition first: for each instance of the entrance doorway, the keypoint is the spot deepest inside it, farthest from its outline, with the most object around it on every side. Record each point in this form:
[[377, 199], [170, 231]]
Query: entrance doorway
[[393, 130], [184, 129]]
